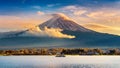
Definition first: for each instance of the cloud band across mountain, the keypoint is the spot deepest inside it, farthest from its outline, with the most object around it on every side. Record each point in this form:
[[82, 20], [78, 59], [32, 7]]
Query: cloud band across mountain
[[47, 32]]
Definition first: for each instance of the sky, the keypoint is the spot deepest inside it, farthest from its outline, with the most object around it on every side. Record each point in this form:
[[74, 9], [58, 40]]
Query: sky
[[99, 15]]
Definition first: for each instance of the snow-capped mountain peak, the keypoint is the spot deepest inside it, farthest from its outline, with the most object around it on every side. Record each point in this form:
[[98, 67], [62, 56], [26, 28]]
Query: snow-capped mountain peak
[[60, 15], [63, 22]]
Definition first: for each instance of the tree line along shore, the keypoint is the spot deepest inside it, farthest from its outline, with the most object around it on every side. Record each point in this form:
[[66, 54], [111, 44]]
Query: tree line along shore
[[66, 51]]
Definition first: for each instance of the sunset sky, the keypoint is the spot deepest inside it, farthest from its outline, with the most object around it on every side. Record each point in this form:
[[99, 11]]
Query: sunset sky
[[99, 15]]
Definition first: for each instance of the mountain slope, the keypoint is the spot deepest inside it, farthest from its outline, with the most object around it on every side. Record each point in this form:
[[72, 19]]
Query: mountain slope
[[94, 39]]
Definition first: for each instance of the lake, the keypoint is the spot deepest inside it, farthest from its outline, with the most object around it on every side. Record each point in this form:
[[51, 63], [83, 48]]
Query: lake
[[59, 62]]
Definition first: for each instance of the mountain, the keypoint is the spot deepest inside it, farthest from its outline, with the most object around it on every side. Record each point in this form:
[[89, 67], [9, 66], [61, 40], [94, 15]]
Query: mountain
[[63, 22], [59, 31]]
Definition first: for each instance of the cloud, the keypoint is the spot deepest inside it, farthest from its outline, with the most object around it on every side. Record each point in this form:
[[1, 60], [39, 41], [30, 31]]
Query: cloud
[[50, 32], [20, 22], [103, 28], [75, 10], [95, 25], [40, 13], [36, 7], [52, 5], [70, 7], [105, 16], [80, 12], [101, 14], [57, 15]]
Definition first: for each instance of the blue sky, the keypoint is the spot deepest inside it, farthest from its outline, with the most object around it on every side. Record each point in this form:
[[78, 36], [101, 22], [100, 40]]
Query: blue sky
[[19, 6], [98, 15]]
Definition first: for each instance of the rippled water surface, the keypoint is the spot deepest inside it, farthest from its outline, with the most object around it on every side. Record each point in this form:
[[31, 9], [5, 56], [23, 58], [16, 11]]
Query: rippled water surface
[[59, 62]]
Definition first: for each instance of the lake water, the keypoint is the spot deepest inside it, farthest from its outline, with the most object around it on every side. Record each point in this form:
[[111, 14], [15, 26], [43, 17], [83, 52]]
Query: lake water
[[60, 62]]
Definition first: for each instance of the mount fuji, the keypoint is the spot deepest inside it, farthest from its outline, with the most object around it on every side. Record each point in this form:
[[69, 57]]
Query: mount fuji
[[59, 31], [63, 22]]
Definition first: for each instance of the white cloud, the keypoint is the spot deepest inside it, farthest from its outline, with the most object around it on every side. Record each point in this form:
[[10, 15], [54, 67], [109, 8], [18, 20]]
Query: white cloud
[[69, 7], [56, 15], [40, 13], [75, 10], [50, 32]]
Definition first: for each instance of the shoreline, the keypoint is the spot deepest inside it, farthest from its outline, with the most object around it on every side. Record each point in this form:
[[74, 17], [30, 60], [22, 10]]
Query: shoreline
[[65, 51]]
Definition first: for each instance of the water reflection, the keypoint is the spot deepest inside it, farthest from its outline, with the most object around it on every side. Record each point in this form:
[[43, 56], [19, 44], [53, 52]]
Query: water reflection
[[53, 62], [63, 66]]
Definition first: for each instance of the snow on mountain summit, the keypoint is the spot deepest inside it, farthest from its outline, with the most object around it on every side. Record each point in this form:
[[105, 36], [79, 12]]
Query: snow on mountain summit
[[63, 22], [60, 15]]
